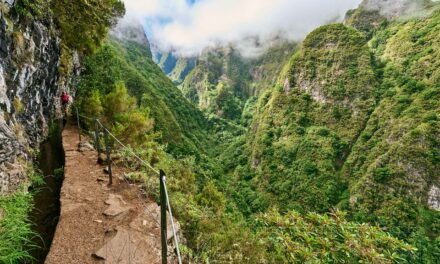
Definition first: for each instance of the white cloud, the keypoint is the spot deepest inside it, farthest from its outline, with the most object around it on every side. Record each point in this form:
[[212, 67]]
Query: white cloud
[[398, 8], [188, 29]]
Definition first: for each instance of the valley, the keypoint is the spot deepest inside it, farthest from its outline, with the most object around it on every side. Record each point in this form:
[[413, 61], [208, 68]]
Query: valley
[[324, 149]]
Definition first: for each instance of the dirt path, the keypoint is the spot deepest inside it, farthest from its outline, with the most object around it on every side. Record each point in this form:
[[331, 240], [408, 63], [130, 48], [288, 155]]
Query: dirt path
[[98, 223]]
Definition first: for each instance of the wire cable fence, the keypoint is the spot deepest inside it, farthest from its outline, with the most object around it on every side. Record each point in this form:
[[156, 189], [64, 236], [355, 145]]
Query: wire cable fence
[[165, 201]]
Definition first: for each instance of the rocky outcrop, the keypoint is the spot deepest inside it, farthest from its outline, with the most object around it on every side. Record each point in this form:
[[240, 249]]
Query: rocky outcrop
[[434, 198], [30, 85], [129, 29]]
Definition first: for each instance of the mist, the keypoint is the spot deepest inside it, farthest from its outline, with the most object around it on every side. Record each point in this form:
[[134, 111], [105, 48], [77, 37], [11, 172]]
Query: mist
[[188, 27], [400, 8]]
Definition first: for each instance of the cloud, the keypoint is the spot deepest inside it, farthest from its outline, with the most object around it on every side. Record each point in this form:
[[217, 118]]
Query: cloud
[[188, 28], [398, 8]]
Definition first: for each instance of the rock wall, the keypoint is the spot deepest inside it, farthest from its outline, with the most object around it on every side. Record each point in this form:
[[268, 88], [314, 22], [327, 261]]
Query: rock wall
[[30, 86], [131, 29]]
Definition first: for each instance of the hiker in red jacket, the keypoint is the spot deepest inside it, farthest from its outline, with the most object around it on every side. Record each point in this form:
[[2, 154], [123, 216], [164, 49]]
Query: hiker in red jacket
[[65, 99]]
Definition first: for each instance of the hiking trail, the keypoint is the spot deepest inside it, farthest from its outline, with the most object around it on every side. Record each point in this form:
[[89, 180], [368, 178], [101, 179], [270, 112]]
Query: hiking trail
[[101, 223]]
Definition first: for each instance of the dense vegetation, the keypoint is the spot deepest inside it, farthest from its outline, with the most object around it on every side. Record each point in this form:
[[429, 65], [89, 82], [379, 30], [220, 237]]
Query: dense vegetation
[[218, 83], [218, 209], [81, 26], [352, 124], [180, 124], [226, 84], [302, 132], [16, 234], [327, 160], [395, 162]]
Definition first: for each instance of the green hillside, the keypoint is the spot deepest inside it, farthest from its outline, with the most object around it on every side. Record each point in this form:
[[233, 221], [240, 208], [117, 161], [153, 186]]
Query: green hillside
[[302, 132], [339, 131], [223, 80], [395, 163], [183, 67], [323, 151], [182, 126], [218, 83], [352, 124]]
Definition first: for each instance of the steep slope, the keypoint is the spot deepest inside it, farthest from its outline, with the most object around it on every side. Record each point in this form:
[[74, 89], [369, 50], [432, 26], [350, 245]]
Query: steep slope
[[265, 69], [183, 67], [352, 124], [175, 67], [32, 75], [393, 168], [181, 124], [223, 80], [167, 62], [219, 83], [303, 130]]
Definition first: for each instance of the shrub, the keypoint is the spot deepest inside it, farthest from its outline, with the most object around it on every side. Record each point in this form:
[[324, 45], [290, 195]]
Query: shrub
[[85, 23], [382, 174], [33, 8], [328, 238], [212, 198]]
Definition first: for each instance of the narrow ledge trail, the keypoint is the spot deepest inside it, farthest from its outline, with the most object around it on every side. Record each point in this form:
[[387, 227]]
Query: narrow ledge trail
[[100, 223]]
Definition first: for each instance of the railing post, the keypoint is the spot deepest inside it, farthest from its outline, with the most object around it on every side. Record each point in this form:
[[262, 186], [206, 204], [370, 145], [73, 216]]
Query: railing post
[[109, 159], [79, 125], [163, 217], [97, 138]]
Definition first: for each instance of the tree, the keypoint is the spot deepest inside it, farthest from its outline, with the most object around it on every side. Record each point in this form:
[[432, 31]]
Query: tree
[[85, 23]]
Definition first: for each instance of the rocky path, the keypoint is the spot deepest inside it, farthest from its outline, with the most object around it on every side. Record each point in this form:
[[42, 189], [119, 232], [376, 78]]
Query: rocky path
[[98, 223]]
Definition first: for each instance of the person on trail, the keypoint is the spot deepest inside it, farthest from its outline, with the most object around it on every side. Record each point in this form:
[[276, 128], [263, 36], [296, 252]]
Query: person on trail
[[65, 99]]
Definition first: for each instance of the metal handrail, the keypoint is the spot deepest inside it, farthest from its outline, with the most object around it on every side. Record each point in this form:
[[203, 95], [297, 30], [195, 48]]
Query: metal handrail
[[162, 178]]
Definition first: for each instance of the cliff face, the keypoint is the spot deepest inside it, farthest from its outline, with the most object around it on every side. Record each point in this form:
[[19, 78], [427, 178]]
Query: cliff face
[[129, 29], [30, 85], [304, 127]]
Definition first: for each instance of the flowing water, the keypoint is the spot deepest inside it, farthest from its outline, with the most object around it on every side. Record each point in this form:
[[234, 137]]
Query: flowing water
[[46, 212]]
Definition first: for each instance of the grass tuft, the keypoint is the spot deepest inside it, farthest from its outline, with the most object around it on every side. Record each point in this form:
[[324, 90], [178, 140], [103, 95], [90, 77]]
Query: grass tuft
[[15, 229]]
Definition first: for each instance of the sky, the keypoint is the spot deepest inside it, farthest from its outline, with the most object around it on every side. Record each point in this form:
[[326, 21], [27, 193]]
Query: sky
[[189, 26]]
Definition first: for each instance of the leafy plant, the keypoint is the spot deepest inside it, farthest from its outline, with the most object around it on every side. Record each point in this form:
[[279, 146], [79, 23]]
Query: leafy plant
[[15, 230], [328, 238]]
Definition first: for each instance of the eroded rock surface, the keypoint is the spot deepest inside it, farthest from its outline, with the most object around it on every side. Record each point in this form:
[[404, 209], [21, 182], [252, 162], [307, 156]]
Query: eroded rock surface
[[434, 198], [30, 85]]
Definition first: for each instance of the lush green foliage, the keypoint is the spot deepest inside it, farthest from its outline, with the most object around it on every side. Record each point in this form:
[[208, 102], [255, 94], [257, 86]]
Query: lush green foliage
[[180, 124], [15, 229], [396, 161], [85, 23], [104, 91], [302, 132], [218, 83], [33, 8], [314, 238], [223, 80], [16, 233], [352, 123], [183, 67]]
